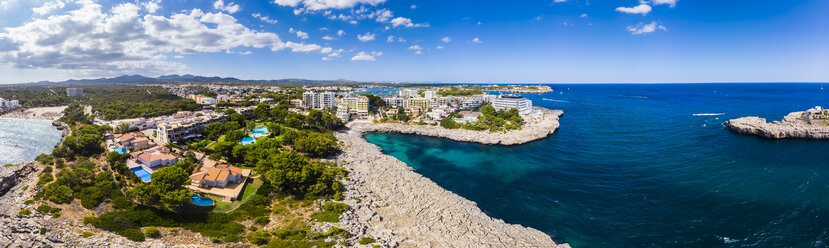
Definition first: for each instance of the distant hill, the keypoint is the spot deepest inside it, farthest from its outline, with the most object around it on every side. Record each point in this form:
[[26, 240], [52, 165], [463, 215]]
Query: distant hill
[[128, 79]]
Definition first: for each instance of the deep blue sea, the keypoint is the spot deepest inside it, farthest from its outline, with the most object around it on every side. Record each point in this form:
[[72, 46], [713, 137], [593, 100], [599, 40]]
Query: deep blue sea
[[647, 166], [23, 140]]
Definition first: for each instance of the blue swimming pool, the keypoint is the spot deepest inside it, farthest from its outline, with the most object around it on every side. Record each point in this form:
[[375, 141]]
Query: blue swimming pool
[[247, 141], [120, 150], [201, 201], [262, 131], [141, 173]]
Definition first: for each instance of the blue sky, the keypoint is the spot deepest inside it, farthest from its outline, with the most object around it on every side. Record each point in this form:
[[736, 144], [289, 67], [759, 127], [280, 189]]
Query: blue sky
[[528, 41]]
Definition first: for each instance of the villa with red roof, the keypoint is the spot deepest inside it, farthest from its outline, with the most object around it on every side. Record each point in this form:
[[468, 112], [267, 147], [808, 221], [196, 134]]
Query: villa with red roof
[[132, 140], [155, 157]]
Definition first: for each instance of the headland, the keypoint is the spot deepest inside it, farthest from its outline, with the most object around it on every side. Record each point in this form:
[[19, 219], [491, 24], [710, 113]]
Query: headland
[[810, 124]]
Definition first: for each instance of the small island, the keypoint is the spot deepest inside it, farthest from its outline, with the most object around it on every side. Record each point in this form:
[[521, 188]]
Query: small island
[[809, 124]]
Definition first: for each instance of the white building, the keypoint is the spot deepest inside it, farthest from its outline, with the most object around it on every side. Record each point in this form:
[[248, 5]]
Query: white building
[[327, 100], [208, 101], [310, 100], [395, 102], [74, 91], [342, 112], [507, 102], [362, 105], [430, 94], [408, 93], [8, 104]]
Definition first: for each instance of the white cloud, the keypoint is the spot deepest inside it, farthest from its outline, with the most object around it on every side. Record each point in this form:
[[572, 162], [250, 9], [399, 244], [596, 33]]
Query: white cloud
[[406, 22], [49, 7], [416, 48], [300, 34], [328, 38], [230, 7], [366, 37], [559, 1], [643, 28], [446, 39], [334, 54], [671, 3], [439, 47], [400, 39], [340, 32], [390, 39], [264, 18], [90, 41], [315, 5], [583, 15], [476, 40], [363, 56], [539, 18], [152, 6], [246, 53], [413, 6], [642, 8]]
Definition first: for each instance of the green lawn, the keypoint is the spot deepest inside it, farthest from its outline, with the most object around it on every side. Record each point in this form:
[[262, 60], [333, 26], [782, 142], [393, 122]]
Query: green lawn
[[250, 188]]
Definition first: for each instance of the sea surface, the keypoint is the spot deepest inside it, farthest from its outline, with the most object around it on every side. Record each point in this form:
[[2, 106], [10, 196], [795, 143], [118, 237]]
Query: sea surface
[[23, 140], [647, 166]]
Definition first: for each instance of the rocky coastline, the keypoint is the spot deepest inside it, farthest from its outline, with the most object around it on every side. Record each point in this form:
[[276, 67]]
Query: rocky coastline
[[532, 130], [401, 208], [790, 127]]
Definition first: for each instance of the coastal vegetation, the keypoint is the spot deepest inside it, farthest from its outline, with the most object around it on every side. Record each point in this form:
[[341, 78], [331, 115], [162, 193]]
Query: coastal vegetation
[[291, 183], [460, 92]]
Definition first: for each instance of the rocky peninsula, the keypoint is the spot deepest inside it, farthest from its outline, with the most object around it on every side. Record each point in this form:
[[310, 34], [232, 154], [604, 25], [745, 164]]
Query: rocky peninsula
[[401, 208], [793, 125], [533, 129]]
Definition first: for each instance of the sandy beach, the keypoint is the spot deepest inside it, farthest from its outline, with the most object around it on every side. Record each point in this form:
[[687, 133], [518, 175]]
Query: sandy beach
[[42, 113]]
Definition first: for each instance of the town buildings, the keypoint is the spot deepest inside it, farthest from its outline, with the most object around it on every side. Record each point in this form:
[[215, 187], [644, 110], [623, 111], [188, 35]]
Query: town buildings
[[153, 159], [185, 125], [8, 104], [131, 140], [312, 100]]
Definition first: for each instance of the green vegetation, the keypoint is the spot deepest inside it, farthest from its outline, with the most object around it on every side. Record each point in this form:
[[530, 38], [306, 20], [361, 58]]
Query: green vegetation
[[87, 234], [165, 191], [9, 165], [152, 232], [449, 123], [331, 212], [24, 211], [374, 102], [44, 208], [367, 240], [459, 92], [495, 121]]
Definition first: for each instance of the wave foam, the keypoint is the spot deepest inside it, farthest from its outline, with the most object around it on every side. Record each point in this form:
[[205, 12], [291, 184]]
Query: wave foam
[[708, 114]]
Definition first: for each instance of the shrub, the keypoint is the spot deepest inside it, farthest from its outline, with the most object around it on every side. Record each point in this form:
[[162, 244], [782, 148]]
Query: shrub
[[214, 240], [173, 230], [44, 208], [132, 234], [43, 230], [25, 211], [259, 238], [366, 240], [89, 219], [336, 231], [55, 214], [152, 232], [262, 220], [29, 202], [87, 234], [331, 212]]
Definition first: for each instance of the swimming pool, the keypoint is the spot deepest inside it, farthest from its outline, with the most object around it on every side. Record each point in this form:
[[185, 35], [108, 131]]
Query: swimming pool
[[262, 131], [141, 173], [120, 150], [201, 201], [247, 141]]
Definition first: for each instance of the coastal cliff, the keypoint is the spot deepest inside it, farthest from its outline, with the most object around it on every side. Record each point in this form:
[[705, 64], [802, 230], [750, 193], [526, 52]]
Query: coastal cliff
[[790, 127], [406, 209], [532, 130]]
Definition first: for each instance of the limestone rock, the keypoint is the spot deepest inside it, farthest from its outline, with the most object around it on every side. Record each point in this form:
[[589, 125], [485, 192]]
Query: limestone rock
[[789, 127]]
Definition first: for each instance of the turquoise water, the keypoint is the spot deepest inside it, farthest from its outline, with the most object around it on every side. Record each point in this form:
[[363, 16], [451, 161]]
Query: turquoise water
[[201, 201], [247, 141], [262, 131], [120, 150], [647, 166], [142, 173], [23, 140]]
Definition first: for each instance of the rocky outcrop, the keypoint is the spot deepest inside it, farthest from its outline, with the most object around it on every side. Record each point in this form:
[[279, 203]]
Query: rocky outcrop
[[790, 127], [399, 207], [13, 175], [532, 130]]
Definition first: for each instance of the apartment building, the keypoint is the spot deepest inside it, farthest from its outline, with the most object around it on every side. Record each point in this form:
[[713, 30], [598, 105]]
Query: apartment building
[[507, 102], [185, 126]]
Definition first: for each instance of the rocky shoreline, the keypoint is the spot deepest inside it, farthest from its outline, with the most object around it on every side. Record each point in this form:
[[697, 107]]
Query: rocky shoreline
[[789, 127], [533, 130], [401, 208]]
